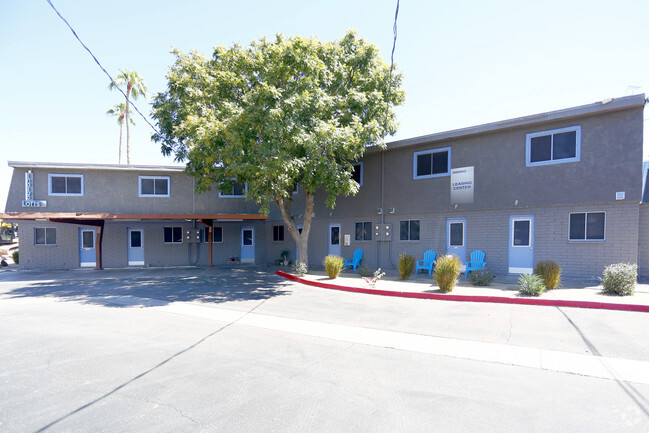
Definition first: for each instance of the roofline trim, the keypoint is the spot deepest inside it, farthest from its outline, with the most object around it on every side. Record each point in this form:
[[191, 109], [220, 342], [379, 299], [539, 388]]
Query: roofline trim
[[607, 105], [83, 166]]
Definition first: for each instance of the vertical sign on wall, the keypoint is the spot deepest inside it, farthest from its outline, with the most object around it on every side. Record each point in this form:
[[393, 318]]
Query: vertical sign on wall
[[462, 185], [29, 192]]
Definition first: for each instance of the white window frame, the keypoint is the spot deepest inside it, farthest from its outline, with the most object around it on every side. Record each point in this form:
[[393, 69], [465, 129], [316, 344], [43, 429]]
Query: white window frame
[[182, 231], [552, 132], [46, 229], [64, 194], [431, 151], [359, 164], [139, 190], [586, 227], [245, 191]]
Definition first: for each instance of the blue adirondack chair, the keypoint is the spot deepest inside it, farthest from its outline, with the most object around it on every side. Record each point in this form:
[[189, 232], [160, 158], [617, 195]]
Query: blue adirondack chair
[[476, 262], [355, 260], [428, 262]]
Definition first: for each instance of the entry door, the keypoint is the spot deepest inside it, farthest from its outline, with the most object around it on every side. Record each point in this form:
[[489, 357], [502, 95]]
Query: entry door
[[334, 240], [521, 244], [87, 248], [247, 245], [455, 237], [135, 247]]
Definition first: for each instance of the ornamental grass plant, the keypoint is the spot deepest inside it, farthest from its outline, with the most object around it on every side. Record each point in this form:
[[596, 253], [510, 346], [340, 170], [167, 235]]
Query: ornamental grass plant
[[333, 265], [406, 266], [550, 273], [530, 285], [447, 269]]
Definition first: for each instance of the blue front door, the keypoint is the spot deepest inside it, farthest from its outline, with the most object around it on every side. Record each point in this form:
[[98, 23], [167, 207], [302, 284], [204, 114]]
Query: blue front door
[[455, 237], [135, 247], [247, 245], [87, 248], [521, 244]]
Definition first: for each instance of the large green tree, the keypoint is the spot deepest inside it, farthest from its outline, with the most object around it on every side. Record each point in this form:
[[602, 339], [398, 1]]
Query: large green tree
[[278, 114], [135, 87]]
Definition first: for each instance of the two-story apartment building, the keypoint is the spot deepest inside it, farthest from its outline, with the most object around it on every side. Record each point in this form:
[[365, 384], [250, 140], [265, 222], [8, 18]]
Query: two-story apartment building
[[564, 185]]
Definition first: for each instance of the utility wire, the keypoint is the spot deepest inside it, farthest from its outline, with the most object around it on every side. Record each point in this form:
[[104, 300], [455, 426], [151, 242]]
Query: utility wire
[[102, 68], [385, 131]]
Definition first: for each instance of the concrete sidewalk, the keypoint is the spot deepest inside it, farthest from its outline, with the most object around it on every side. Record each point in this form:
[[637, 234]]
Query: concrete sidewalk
[[504, 289]]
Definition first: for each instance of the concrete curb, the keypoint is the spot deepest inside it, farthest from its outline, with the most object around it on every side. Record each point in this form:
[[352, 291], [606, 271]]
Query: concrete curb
[[472, 298]]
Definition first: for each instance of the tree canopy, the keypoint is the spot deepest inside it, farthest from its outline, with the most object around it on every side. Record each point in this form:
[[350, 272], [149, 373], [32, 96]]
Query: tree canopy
[[278, 114]]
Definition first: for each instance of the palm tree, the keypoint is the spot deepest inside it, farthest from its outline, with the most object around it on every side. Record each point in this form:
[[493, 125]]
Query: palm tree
[[119, 111], [135, 87]]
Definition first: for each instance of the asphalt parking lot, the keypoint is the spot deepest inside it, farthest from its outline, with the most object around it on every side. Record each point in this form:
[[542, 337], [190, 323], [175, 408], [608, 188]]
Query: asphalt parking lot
[[241, 349]]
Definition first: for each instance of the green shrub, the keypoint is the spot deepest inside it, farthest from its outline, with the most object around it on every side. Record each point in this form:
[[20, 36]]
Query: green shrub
[[15, 257], [406, 266], [364, 270], [620, 279], [447, 269], [300, 269], [550, 273], [530, 284], [481, 277], [333, 265]]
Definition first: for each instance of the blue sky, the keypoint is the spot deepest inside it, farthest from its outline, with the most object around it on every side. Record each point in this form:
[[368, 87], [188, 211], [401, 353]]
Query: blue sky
[[464, 62]]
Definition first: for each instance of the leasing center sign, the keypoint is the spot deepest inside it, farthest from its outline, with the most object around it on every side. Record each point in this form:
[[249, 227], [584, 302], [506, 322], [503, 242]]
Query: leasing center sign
[[462, 185]]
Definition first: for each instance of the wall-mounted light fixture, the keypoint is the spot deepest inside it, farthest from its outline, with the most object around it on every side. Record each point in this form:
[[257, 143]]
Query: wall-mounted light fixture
[[392, 210], [515, 202], [455, 206], [379, 211]]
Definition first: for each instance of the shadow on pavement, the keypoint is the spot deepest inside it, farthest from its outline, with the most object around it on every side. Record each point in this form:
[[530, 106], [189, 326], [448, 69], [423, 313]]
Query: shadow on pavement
[[148, 287]]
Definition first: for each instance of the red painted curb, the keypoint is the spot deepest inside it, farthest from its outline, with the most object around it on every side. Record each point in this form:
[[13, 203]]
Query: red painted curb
[[472, 298]]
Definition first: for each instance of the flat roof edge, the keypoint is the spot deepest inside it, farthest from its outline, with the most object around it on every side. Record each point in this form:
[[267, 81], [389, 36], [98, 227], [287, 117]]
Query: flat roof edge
[[84, 166]]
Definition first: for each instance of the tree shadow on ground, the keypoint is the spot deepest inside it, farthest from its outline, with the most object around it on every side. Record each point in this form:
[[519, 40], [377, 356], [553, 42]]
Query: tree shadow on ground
[[150, 287]]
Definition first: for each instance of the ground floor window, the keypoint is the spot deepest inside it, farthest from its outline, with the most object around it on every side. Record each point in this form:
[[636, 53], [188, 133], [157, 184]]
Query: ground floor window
[[217, 234], [363, 231], [409, 230], [587, 226], [173, 235], [45, 236], [278, 233]]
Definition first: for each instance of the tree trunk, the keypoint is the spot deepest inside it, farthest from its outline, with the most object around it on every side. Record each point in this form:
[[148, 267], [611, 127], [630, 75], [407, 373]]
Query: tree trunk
[[302, 239], [121, 128], [128, 127]]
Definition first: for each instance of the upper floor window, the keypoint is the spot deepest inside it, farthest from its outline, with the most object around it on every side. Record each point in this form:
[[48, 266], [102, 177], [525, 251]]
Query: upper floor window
[[357, 174], [553, 147], [237, 190], [587, 226], [154, 186], [65, 184], [432, 163]]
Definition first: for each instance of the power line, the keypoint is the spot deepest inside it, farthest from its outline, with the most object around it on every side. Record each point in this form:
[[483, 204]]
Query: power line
[[100, 66]]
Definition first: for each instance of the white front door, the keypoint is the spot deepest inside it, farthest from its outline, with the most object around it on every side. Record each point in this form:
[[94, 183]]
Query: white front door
[[135, 253], [521, 245], [334, 240]]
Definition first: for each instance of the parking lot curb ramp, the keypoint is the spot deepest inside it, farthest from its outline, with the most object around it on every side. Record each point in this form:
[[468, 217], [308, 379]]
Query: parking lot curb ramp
[[472, 298]]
